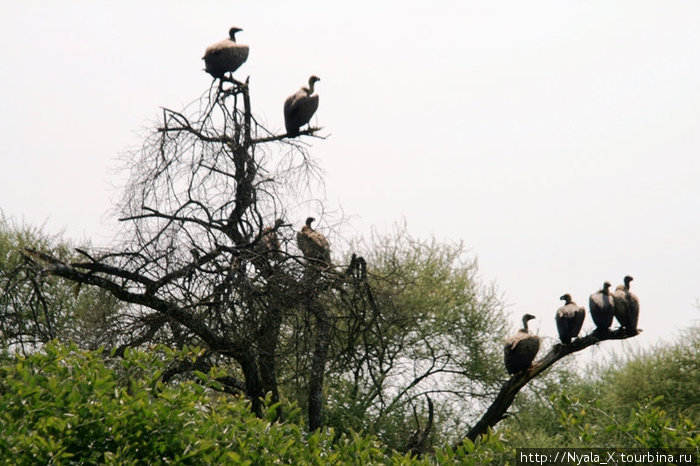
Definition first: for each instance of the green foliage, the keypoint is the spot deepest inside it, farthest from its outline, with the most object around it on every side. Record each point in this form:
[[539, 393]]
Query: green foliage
[[644, 426], [433, 289], [23, 317], [66, 406], [491, 449], [62, 406], [437, 330], [671, 371], [63, 311]]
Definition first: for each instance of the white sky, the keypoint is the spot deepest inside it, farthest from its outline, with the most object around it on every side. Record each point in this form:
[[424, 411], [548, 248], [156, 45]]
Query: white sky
[[558, 140]]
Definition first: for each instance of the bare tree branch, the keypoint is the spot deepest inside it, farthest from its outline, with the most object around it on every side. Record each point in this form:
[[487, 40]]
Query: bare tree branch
[[311, 131], [170, 309], [496, 412]]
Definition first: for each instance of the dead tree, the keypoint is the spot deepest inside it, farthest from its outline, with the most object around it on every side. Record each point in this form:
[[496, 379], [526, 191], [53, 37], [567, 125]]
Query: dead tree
[[203, 193]]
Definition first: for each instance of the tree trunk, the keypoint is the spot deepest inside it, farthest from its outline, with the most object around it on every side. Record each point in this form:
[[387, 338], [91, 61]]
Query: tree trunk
[[267, 341], [318, 365], [253, 384]]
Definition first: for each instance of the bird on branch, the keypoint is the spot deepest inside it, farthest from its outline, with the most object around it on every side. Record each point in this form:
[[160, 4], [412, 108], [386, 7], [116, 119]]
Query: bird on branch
[[602, 305], [626, 306], [225, 56], [520, 349], [269, 242], [300, 107], [569, 319], [313, 244]]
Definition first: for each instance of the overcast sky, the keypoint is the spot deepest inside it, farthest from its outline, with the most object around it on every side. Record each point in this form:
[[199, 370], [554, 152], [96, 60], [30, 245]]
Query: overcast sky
[[559, 140]]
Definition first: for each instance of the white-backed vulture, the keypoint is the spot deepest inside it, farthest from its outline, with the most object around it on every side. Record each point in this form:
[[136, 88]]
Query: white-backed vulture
[[520, 349], [300, 107], [225, 56], [269, 242], [626, 305], [602, 306], [313, 244], [569, 319]]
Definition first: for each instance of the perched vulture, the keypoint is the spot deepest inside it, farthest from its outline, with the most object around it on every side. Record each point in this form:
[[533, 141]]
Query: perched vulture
[[269, 242], [602, 305], [520, 349], [569, 319], [300, 107], [626, 305], [313, 244], [225, 55]]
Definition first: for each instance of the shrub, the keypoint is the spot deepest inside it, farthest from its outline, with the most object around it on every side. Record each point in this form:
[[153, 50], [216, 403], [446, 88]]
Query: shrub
[[63, 406]]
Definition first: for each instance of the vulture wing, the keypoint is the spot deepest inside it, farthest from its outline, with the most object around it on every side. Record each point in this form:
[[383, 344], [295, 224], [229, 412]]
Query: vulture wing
[[298, 110], [314, 245], [620, 309], [602, 309], [569, 320], [224, 56]]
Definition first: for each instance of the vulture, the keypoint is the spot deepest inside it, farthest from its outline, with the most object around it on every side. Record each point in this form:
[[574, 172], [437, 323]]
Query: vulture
[[269, 242], [602, 306], [520, 349], [224, 56], [300, 107], [626, 305], [569, 319], [313, 244]]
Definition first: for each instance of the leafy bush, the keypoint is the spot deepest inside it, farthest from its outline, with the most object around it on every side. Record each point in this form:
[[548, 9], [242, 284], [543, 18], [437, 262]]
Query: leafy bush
[[64, 406], [35, 309]]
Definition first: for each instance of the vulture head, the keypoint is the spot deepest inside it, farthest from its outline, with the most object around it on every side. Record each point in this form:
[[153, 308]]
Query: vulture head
[[606, 288], [566, 298], [310, 220], [312, 80], [526, 318], [627, 280], [232, 33]]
